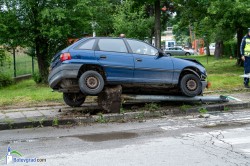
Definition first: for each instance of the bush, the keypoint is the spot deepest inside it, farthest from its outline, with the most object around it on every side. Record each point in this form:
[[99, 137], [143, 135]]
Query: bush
[[2, 56], [5, 80], [37, 78], [230, 48]]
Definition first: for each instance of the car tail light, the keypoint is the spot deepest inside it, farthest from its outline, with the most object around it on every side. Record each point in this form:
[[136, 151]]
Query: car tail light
[[65, 56]]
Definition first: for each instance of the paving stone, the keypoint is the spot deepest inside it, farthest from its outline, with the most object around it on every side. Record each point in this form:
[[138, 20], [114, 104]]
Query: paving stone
[[30, 114], [2, 116], [14, 115], [50, 113]]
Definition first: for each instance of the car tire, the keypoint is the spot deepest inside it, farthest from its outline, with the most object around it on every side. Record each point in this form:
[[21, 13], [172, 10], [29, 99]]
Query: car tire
[[190, 85], [168, 54], [187, 54], [74, 99], [91, 82]]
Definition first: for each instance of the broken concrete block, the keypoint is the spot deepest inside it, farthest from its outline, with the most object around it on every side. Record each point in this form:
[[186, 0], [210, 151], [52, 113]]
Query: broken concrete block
[[110, 99]]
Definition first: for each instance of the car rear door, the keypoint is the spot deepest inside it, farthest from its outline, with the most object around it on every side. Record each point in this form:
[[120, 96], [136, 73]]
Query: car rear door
[[113, 55], [149, 67]]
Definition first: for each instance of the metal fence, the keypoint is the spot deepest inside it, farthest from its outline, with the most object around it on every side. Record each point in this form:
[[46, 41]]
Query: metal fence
[[19, 65]]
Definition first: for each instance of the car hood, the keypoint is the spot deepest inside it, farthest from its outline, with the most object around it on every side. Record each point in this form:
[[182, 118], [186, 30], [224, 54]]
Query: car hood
[[193, 60]]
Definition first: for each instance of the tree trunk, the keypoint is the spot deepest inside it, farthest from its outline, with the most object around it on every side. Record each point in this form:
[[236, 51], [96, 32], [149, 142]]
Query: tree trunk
[[207, 48], [41, 46], [239, 38], [218, 49], [158, 23]]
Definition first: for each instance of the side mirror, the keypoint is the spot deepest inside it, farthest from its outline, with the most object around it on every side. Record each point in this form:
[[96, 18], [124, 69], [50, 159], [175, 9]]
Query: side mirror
[[159, 54]]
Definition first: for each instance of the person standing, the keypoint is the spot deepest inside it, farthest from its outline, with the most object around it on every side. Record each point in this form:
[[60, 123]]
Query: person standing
[[245, 56]]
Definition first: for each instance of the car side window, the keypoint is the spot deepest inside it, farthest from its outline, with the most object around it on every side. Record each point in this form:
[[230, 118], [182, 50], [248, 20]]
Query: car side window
[[113, 45], [141, 48], [86, 45]]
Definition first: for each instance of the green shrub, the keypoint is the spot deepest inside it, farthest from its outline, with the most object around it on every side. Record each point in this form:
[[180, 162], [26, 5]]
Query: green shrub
[[230, 48], [5, 80], [37, 78]]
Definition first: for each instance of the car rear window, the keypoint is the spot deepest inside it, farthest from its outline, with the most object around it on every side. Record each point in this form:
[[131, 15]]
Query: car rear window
[[86, 45], [113, 45]]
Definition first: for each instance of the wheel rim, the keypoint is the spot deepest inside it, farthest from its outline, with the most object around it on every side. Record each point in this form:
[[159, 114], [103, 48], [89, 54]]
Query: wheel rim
[[92, 82], [191, 85]]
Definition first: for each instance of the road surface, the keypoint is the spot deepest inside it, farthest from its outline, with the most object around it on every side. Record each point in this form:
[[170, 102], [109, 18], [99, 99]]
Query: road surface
[[222, 139]]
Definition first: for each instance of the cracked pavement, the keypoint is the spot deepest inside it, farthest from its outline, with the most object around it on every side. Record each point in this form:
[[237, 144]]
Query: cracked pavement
[[221, 139]]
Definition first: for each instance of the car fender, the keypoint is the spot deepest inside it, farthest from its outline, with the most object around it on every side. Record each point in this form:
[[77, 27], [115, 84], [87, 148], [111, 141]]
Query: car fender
[[193, 71]]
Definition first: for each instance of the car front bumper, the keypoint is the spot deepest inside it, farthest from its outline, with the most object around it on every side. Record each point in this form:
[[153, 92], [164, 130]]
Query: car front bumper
[[204, 85], [62, 72]]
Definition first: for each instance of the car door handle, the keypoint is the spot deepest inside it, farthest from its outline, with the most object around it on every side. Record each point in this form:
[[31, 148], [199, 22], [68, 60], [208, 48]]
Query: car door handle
[[103, 57], [138, 60]]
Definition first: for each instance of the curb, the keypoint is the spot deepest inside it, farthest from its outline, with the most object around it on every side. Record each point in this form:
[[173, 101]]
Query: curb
[[122, 117]]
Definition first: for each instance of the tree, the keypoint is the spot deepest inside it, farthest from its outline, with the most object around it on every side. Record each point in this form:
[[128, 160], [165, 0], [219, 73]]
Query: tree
[[132, 21], [230, 16], [11, 28], [45, 25], [192, 15], [220, 20]]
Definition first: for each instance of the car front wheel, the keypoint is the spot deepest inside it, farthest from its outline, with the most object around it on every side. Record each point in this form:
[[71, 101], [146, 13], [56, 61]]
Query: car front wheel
[[74, 99], [190, 85], [91, 82]]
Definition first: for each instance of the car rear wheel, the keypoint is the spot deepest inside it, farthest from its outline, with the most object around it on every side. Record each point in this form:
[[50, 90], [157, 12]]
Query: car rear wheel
[[168, 54], [187, 54], [190, 85], [91, 82], [74, 99]]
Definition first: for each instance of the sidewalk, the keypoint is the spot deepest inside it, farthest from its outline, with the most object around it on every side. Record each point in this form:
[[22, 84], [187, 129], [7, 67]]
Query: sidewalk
[[60, 115]]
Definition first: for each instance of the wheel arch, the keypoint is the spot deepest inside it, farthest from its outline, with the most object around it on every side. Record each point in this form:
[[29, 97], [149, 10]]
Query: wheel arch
[[190, 70], [94, 67]]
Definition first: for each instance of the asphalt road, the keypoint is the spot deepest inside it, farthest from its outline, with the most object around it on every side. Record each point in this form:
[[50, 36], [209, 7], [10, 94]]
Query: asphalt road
[[223, 139]]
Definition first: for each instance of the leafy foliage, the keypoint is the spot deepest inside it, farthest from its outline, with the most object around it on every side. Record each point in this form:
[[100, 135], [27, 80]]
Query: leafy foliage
[[46, 25], [132, 21], [214, 20], [2, 56], [5, 80]]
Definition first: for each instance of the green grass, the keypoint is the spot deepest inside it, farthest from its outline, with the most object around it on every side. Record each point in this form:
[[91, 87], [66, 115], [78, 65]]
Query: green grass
[[223, 73], [27, 93]]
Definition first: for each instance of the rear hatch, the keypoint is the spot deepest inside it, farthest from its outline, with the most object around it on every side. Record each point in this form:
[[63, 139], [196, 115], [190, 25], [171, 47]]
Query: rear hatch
[[56, 60]]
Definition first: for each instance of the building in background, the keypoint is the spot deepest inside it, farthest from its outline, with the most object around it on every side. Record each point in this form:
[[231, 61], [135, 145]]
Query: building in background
[[167, 39]]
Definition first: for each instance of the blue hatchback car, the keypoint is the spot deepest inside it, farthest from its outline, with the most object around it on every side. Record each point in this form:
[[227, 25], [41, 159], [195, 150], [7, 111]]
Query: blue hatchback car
[[87, 66]]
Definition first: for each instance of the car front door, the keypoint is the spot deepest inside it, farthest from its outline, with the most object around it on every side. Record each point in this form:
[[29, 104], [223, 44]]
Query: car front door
[[180, 51], [149, 67], [113, 55]]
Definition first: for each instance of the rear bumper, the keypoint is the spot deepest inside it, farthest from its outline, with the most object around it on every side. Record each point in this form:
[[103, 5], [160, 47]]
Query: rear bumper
[[62, 72]]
